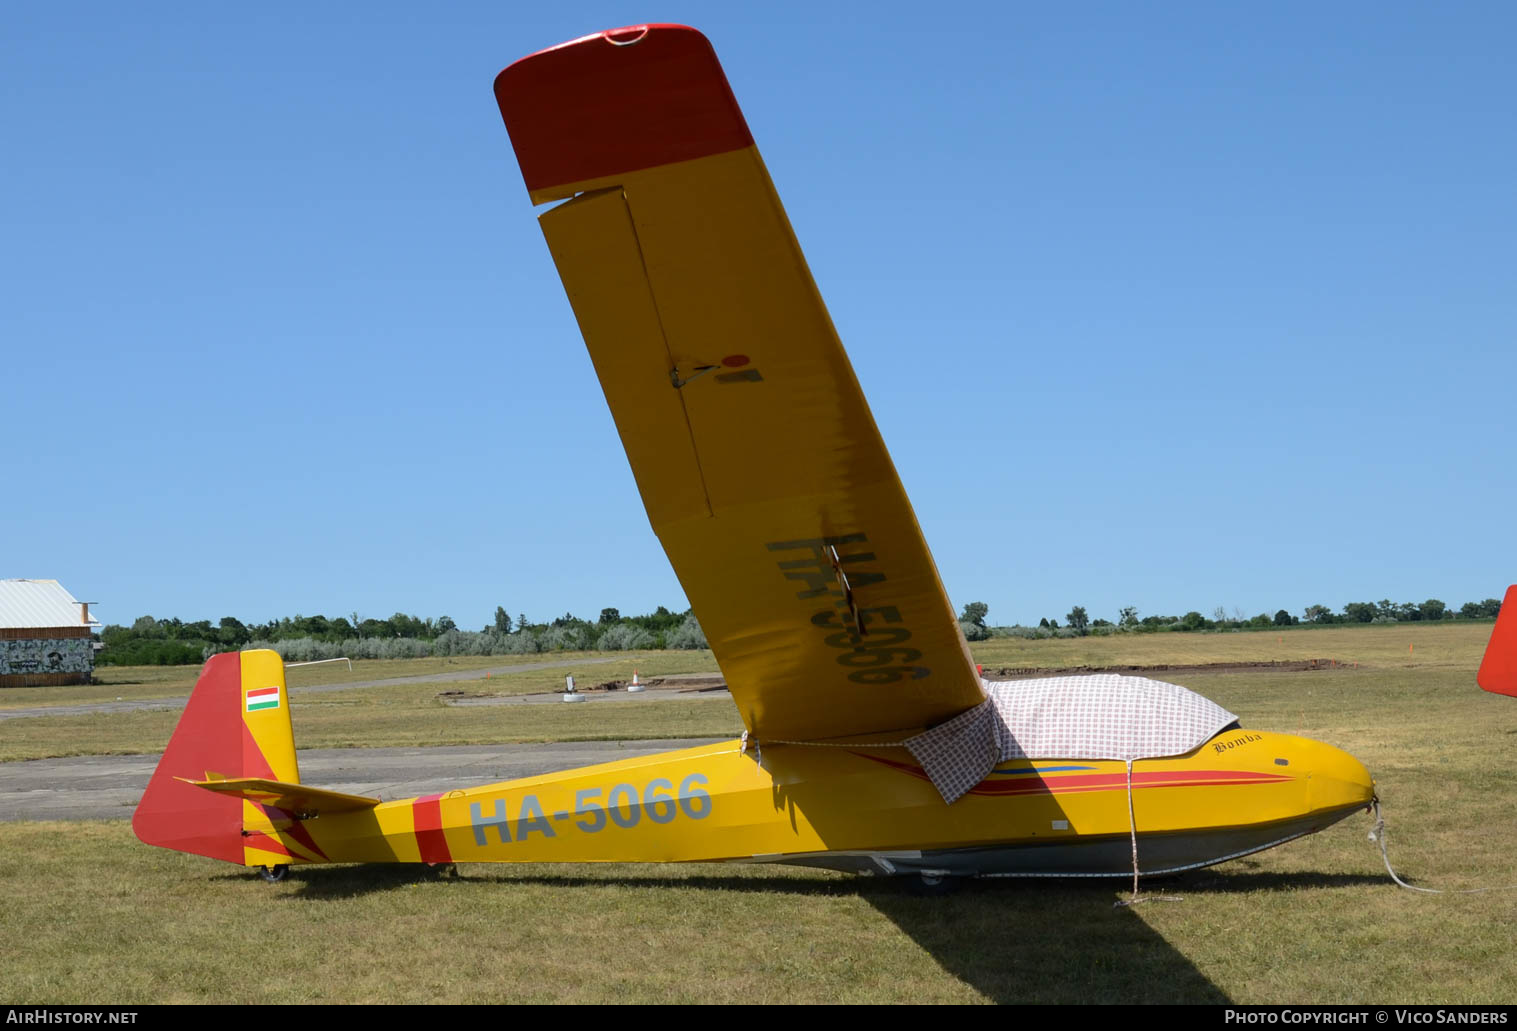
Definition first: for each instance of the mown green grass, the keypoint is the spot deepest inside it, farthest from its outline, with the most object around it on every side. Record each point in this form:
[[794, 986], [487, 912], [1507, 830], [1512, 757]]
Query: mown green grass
[[123, 922], [1450, 645], [94, 916], [1421, 644], [409, 714], [387, 717], [416, 714], [136, 683]]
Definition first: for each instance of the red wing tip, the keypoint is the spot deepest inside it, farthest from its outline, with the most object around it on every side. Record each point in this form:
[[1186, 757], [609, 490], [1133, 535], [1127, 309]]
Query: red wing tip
[[618, 101], [627, 35]]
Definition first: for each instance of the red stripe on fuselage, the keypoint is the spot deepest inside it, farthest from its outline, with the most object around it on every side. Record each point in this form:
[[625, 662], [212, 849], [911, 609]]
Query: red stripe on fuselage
[[426, 813], [1033, 784]]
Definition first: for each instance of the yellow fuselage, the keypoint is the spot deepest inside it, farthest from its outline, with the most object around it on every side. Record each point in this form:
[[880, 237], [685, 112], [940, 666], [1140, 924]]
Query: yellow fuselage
[[853, 806]]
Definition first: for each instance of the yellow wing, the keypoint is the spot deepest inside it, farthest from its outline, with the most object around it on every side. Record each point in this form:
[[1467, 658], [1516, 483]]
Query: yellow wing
[[762, 470]]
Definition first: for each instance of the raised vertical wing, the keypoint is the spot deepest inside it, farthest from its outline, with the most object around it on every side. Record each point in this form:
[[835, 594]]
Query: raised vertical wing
[[1498, 667], [762, 470]]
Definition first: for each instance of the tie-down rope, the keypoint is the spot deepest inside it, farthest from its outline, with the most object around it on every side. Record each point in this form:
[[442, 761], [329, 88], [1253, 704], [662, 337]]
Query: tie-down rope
[[1377, 834], [1132, 830]]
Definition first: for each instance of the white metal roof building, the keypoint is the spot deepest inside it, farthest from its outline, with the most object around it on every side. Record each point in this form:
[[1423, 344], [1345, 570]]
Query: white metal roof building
[[44, 635]]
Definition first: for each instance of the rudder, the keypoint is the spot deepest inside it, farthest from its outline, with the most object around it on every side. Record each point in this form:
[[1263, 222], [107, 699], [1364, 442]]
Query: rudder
[[235, 724]]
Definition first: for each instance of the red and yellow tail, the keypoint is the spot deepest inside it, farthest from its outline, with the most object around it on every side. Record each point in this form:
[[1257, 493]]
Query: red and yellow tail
[[235, 726], [1498, 670]]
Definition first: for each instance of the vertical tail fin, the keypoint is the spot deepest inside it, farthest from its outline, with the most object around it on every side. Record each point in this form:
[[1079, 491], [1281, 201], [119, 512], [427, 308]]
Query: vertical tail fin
[[236, 724], [1498, 670]]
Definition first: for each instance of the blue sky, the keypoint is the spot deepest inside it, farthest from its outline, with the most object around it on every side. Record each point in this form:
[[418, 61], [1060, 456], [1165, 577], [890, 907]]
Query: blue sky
[[1175, 306]]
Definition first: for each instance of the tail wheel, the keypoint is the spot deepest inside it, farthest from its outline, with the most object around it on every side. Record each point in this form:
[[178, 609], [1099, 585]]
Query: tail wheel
[[274, 874]]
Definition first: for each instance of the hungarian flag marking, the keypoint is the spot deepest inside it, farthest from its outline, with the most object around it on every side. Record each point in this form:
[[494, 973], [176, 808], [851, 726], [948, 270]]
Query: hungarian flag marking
[[263, 698]]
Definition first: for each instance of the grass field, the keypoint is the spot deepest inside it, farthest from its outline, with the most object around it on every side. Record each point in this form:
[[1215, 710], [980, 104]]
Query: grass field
[[148, 682], [415, 714], [1394, 645], [398, 714], [93, 916]]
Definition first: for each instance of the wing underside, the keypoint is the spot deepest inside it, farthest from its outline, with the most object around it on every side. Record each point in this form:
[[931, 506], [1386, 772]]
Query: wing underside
[[757, 458]]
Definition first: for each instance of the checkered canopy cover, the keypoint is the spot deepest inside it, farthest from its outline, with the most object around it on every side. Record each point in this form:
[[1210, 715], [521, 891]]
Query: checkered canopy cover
[[1096, 717]]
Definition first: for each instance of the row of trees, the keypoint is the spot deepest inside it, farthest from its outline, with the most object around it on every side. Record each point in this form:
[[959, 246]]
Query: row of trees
[[149, 641], [158, 642], [1387, 611], [1078, 623]]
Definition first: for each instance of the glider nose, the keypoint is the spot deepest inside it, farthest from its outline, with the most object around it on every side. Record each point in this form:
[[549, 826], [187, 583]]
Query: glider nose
[[1337, 781]]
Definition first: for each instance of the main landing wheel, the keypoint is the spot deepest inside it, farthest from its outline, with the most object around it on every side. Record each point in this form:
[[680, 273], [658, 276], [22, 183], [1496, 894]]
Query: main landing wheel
[[274, 874], [933, 884]]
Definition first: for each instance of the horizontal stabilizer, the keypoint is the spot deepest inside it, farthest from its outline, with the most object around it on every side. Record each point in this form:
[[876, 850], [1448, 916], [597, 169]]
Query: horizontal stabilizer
[[1498, 669], [295, 798]]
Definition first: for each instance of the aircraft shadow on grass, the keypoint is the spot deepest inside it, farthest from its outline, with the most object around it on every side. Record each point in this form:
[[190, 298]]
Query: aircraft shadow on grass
[[1012, 941]]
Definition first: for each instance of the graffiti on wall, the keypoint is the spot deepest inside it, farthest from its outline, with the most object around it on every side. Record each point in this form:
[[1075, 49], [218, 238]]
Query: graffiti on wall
[[47, 655]]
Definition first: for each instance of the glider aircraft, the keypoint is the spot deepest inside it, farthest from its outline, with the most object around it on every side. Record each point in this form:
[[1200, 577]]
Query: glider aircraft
[[872, 743]]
